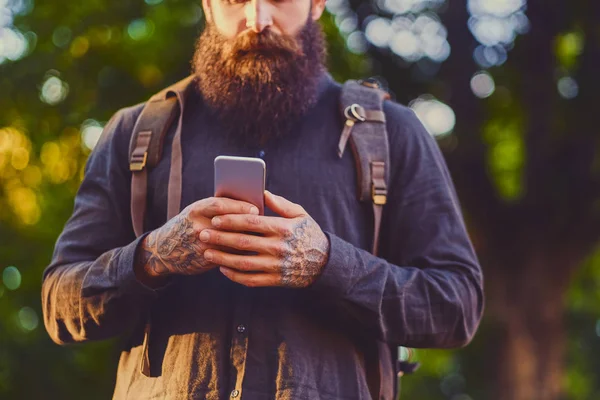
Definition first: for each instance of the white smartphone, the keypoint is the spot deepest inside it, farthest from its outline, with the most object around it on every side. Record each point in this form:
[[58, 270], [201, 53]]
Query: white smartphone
[[241, 178]]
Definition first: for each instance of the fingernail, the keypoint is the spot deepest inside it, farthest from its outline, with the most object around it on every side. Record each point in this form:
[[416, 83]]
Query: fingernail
[[254, 210], [216, 221], [204, 236], [208, 255]]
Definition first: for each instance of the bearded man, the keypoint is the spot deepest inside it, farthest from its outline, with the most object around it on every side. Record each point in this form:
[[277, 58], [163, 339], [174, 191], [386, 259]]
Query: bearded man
[[299, 316]]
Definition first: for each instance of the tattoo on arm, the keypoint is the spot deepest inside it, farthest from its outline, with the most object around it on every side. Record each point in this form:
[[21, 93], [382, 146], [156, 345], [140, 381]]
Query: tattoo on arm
[[174, 249], [306, 255]]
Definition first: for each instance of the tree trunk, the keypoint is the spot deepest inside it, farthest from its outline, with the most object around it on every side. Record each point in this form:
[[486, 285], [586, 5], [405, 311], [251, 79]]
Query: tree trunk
[[526, 310], [530, 365]]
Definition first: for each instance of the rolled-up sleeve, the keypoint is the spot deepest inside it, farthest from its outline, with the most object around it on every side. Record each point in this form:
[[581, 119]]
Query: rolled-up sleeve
[[426, 290], [89, 290]]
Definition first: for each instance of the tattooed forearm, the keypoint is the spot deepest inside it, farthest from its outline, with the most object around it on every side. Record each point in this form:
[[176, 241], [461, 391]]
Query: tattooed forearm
[[174, 249], [307, 249]]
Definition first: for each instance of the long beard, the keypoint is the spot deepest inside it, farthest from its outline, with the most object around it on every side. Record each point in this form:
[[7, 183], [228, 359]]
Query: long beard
[[259, 84]]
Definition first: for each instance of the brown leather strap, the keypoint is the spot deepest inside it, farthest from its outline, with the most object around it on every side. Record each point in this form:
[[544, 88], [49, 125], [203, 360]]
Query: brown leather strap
[[139, 180], [345, 136], [374, 116], [175, 173], [377, 212], [379, 197]]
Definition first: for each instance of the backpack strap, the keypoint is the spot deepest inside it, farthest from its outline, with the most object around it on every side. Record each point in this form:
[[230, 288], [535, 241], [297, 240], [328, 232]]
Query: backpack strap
[[364, 127], [146, 145], [362, 106], [145, 151]]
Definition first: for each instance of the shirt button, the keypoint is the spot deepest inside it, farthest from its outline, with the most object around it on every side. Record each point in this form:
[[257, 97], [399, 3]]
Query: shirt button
[[241, 328], [261, 154], [235, 393]]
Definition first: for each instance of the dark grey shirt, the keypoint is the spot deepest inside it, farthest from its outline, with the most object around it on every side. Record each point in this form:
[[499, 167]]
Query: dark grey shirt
[[211, 338]]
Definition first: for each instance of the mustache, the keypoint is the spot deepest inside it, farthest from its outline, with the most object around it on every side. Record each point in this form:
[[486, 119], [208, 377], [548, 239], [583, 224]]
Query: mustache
[[265, 43]]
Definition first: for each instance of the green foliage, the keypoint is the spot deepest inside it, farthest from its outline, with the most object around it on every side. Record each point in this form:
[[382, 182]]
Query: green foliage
[[437, 376], [504, 137], [583, 328], [569, 47]]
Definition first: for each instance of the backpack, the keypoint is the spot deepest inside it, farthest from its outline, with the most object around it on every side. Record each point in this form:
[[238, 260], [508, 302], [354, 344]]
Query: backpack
[[361, 104]]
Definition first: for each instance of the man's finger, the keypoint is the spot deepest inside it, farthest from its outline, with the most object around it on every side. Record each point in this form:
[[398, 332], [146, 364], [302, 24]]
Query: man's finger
[[282, 206], [213, 206], [253, 223], [243, 263], [240, 241], [251, 280]]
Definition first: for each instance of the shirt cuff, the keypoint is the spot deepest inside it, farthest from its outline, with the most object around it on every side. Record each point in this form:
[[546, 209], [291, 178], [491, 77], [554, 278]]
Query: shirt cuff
[[132, 286], [337, 274]]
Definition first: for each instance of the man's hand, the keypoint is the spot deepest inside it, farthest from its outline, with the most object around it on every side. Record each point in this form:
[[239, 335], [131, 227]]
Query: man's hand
[[175, 248], [291, 252]]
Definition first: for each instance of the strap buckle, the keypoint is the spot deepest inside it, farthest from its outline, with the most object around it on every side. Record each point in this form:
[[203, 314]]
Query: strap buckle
[[378, 185], [355, 112], [136, 164], [379, 195], [371, 83]]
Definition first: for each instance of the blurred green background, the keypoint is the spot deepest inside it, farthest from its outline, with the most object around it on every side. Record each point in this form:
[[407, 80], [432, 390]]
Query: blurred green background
[[508, 87]]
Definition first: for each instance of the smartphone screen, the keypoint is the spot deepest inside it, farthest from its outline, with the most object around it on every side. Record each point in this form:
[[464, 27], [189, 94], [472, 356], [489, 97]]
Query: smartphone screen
[[241, 178]]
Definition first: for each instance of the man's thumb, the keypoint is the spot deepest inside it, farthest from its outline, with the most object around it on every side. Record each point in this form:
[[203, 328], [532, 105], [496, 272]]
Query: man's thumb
[[282, 206]]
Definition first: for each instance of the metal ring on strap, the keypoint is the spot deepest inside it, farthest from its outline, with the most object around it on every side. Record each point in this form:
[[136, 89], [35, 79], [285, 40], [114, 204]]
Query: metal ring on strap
[[352, 112]]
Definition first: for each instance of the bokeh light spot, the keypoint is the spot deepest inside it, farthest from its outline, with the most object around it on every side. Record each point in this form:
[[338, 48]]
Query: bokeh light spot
[[50, 153], [568, 47], [80, 46], [490, 56], [24, 204], [20, 158], [140, 29], [337, 7], [495, 24], [348, 24], [379, 32], [452, 385], [13, 44], [32, 176], [357, 43], [190, 18], [11, 277], [61, 36], [91, 130], [568, 87], [22, 7], [482, 84], [409, 6], [54, 90], [150, 75], [100, 35], [438, 118], [406, 45], [28, 318]]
